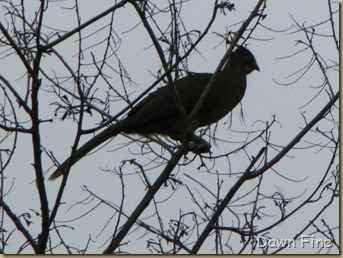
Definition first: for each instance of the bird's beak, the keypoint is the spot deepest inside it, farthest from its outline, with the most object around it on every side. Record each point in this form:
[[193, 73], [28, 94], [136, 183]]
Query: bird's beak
[[256, 66]]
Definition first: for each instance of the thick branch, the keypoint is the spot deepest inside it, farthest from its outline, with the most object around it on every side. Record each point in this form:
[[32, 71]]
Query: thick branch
[[36, 140], [234, 42]]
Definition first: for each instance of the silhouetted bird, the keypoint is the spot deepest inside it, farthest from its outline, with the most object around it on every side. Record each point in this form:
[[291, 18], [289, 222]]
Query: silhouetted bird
[[159, 112]]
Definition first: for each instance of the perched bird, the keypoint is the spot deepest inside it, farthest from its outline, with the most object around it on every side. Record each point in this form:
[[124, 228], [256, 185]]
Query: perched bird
[[159, 112]]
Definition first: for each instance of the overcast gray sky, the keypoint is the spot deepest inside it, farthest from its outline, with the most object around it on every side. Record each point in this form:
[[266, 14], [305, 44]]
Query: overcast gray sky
[[264, 99]]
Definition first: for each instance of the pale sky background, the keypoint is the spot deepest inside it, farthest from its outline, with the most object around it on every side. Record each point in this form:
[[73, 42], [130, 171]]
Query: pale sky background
[[264, 98]]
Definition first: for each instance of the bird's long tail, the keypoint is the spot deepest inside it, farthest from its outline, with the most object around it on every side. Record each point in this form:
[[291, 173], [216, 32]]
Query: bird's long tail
[[86, 148]]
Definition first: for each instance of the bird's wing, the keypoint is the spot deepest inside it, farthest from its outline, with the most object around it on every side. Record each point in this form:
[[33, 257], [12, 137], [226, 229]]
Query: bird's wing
[[160, 103], [163, 102]]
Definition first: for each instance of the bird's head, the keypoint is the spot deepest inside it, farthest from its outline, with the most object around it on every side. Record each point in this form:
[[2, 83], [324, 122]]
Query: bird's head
[[243, 57]]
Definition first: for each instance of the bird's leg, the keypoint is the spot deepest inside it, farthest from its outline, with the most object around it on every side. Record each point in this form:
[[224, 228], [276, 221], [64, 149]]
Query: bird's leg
[[198, 145]]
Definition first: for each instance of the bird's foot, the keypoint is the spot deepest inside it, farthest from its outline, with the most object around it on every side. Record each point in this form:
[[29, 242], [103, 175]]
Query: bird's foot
[[200, 147]]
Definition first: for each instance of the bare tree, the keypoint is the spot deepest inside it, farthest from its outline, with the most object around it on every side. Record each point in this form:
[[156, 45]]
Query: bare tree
[[68, 72]]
